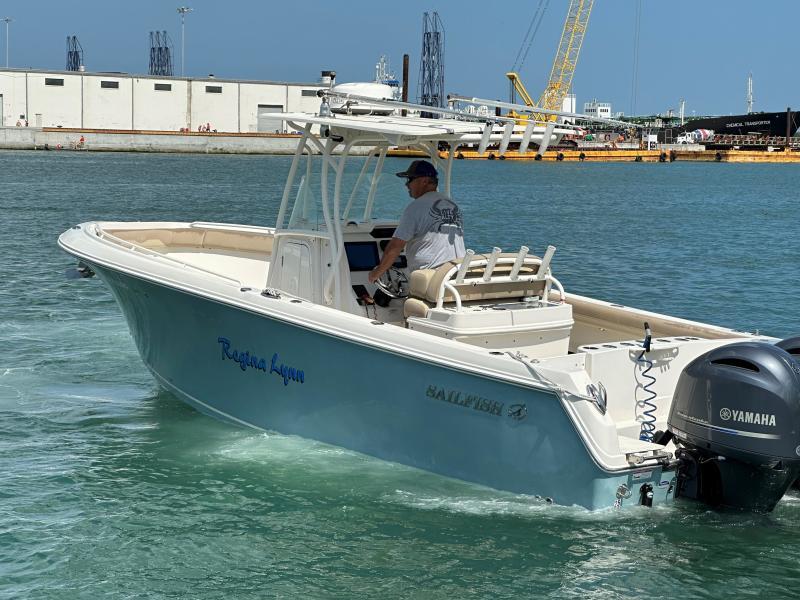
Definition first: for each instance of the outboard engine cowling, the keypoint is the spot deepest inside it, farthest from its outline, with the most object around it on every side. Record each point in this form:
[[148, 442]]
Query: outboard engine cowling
[[791, 345], [735, 417]]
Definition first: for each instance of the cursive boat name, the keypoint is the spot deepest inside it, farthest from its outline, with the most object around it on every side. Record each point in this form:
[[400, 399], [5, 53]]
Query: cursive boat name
[[466, 400], [248, 360]]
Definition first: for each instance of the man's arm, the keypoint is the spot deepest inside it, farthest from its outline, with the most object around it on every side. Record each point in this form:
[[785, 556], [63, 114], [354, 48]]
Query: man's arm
[[390, 254]]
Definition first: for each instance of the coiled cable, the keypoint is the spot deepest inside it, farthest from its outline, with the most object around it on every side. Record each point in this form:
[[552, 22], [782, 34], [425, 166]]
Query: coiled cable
[[648, 427]]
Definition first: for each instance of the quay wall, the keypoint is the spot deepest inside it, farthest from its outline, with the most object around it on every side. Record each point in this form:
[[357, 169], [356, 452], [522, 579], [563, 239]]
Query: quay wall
[[102, 140], [659, 155], [34, 138]]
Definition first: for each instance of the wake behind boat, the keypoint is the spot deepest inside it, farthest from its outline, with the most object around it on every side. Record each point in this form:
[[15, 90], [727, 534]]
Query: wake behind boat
[[483, 368]]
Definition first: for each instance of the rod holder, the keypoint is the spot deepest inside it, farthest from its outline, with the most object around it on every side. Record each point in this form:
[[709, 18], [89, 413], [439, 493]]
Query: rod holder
[[487, 272], [548, 256], [523, 252], [462, 270]]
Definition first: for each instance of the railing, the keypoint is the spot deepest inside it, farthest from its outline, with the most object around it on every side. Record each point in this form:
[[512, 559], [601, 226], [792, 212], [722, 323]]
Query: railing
[[752, 140], [457, 275]]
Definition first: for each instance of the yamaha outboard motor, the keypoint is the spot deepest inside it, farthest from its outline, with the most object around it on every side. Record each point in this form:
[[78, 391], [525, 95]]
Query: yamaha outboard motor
[[792, 346], [735, 418]]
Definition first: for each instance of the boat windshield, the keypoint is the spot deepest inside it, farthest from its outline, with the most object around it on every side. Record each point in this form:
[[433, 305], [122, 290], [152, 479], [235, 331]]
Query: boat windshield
[[348, 192]]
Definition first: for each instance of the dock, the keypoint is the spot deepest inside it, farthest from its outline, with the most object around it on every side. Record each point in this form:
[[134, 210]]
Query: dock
[[626, 155], [109, 140]]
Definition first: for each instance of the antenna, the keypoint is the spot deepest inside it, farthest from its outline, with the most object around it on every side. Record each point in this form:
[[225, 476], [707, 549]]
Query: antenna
[[74, 54], [430, 88], [749, 93], [160, 54], [384, 74]]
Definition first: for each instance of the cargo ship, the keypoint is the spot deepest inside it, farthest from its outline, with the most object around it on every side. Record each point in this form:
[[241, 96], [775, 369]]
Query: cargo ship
[[762, 123]]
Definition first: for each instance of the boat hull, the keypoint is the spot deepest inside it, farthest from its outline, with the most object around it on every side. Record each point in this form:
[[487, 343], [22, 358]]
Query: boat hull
[[768, 124], [251, 369]]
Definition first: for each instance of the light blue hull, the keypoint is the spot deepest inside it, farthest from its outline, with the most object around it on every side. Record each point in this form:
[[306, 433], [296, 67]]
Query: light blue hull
[[226, 361]]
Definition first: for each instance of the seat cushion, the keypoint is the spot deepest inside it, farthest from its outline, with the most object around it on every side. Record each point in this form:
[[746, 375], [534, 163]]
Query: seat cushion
[[414, 307], [425, 283]]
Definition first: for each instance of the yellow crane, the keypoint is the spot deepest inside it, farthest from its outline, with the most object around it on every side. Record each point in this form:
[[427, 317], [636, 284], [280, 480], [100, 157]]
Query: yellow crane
[[564, 64]]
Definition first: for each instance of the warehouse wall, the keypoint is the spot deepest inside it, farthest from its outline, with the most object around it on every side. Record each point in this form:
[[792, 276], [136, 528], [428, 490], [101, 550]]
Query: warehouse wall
[[126, 102]]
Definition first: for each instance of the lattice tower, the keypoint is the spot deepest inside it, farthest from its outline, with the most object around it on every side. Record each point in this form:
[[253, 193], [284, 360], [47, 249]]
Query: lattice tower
[[74, 54], [160, 54], [430, 87]]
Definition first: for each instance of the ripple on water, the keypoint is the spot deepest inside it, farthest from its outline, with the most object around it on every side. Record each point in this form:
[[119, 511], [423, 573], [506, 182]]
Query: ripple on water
[[112, 488]]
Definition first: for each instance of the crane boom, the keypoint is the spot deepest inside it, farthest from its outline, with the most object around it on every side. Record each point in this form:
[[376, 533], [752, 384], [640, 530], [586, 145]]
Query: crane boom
[[520, 88], [564, 64], [567, 56]]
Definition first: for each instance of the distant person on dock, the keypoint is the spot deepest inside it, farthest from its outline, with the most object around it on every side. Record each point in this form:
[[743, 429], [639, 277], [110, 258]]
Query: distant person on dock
[[431, 229]]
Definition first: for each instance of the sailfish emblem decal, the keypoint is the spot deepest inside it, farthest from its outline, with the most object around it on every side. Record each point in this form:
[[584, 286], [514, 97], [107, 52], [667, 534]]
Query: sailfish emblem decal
[[449, 214]]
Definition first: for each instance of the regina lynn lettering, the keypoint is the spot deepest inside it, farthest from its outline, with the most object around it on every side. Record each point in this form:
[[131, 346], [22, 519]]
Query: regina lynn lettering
[[248, 360]]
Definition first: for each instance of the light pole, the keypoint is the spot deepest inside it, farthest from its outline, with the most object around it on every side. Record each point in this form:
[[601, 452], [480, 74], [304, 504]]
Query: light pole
[[7, 21], [183, 10]]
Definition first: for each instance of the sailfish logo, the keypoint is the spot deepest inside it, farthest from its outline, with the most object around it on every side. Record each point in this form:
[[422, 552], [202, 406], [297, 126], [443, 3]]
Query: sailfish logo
[[518, 411]]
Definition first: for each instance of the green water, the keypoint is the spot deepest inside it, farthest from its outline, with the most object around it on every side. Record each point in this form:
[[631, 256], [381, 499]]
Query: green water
[[111, 488]]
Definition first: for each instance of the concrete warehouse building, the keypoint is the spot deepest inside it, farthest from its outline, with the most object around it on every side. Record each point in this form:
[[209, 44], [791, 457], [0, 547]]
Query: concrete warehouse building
[[119, 101]]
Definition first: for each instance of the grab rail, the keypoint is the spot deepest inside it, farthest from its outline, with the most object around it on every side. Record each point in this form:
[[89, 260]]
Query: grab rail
[[489, 264], [231, 227]]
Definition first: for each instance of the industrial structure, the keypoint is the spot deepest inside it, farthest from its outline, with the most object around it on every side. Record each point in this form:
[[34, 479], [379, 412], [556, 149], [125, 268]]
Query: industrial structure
[[160, 54], [74, 54], [430, 87], [120, 101], [563, 69], [600, 110]]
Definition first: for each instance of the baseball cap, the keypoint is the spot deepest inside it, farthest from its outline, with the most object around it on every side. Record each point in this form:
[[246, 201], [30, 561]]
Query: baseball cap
[[419, 168]]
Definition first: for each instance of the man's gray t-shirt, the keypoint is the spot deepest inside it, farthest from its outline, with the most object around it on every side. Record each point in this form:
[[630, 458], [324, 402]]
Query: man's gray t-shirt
[[433, 229]]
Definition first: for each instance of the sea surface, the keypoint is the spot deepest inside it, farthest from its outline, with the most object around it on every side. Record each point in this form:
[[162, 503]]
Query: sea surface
[[111, 488]]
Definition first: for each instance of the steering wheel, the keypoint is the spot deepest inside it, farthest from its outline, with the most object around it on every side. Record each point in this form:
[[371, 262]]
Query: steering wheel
[[393, 283]]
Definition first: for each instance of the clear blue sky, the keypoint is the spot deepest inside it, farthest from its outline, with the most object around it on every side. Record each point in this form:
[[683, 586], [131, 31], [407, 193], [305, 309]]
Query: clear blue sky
[[700, 50]]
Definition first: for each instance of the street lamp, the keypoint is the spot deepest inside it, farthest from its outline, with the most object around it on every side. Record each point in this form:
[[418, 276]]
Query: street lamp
[[7, 21], [183, 11]]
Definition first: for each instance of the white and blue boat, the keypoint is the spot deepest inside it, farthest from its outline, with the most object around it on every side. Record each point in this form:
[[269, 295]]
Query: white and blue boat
[[484, 369]]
